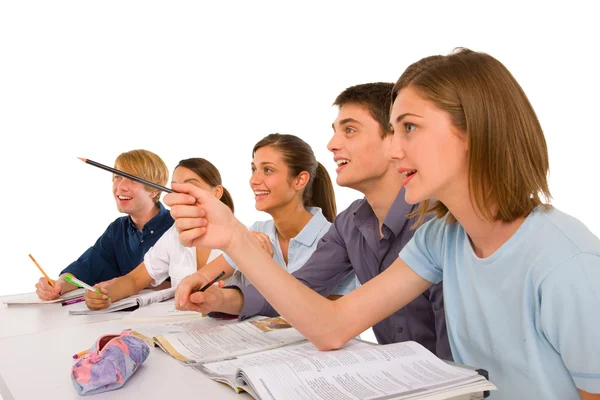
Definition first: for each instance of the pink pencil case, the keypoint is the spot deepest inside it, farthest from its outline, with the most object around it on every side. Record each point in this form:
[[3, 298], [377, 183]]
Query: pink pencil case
[[109, 364]]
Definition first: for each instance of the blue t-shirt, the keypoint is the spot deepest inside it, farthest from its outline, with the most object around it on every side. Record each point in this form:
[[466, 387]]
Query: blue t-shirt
[[529, 313], [299, 250], [120, 249]]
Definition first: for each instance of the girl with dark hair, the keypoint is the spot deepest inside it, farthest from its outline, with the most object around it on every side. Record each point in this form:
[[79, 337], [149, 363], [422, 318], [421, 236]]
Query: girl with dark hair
[[292, 187]]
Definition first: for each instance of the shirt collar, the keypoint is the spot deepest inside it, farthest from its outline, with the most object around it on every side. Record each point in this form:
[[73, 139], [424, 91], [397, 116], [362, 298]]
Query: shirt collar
[[309, 233], [156, 222], [394, 219]]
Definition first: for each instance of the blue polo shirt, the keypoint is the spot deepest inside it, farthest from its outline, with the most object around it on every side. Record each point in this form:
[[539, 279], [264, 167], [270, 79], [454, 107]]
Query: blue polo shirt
[[527, 313], [120, 249]]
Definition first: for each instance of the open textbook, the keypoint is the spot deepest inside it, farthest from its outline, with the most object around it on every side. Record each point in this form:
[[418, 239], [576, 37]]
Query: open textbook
[[357, 371], [208, 339], [269, 359], [143, 299], [32, 298]]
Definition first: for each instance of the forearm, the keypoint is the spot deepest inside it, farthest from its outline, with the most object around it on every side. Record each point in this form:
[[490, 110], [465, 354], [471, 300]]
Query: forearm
[[307, 311], [327, 324], [122, 287], [130, 284], [214, 268]]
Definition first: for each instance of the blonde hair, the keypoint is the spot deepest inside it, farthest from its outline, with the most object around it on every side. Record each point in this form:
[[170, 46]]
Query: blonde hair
[[145, 164], [507, 157]]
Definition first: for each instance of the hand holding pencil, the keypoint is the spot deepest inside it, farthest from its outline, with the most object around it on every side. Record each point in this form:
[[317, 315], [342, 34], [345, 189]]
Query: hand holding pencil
[[46, 288], [196, 293]]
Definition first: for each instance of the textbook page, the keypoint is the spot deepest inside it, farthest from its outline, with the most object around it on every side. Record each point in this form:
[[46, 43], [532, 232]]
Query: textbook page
[[225, 371], [227, 341], [151, 331], [400, 370], [32, 298], [145, 298]]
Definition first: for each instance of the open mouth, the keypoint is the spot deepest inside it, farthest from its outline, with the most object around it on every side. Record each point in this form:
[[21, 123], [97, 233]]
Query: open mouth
[[341, 162], [124, 198], [261, 193], [406, 174]]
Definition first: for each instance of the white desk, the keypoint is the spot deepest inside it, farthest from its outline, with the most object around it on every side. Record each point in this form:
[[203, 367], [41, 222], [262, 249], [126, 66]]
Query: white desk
[[37, 343], [26, 319]]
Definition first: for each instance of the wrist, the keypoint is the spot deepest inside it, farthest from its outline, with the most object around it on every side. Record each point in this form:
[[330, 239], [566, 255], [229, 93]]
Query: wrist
[[239, 232], [233, 300]]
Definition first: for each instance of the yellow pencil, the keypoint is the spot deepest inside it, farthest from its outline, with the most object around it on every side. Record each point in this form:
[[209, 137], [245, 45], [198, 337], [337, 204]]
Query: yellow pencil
[[50, 281]]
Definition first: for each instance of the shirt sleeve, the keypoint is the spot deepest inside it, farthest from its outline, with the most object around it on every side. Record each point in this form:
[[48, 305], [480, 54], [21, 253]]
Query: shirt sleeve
[[99, 262], [423, 252], [323, 271], [157, 258], [569, 304]]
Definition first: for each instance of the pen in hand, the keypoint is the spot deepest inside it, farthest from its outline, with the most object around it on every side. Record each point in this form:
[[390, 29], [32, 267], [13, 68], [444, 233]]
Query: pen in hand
[[212, 282], [74, 281]]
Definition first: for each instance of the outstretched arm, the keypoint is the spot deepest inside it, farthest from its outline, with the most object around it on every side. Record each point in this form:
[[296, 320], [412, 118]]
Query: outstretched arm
[[204, 221]]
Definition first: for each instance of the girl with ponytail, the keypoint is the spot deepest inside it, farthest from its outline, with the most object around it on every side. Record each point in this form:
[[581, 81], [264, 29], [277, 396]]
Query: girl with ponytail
[[295, 190]]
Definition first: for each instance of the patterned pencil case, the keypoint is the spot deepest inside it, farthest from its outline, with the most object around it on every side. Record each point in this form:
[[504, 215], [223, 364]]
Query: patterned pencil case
[[109, 363]]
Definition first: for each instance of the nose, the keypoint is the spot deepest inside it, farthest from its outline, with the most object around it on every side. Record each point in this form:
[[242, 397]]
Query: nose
[[397, 146], [334, 143], [255, 179]]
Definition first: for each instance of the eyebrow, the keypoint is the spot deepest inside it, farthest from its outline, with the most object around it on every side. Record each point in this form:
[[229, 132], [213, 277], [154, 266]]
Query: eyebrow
[[346, 121], [264, 163], [401, 116]]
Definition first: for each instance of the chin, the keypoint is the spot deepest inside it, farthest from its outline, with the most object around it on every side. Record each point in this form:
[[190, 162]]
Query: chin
[[260, 208], [344, 182], [413, 197]]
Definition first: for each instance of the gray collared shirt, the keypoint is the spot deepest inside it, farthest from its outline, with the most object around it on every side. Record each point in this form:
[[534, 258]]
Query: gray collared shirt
[[353, 244]]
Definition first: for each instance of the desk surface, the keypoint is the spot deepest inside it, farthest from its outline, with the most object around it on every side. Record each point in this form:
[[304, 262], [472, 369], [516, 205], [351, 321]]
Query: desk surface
[[37, 343], [33, 318], [39, 365]]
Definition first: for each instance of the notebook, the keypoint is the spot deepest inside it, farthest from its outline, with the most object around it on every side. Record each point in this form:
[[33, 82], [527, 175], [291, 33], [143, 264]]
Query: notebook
[[32, 298], [146, 297]]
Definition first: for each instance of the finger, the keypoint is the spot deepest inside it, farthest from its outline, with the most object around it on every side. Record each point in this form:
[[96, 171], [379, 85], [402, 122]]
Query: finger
[[184, 224], [191, 236], [175, 199], [97, 305], [199, 297], [220, 284], [44, 284], [187, 211], [182, 295], [93, 295], [189, 306]]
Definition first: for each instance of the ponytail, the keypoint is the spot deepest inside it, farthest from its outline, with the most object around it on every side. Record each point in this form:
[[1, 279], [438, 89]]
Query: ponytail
[[322, 194]]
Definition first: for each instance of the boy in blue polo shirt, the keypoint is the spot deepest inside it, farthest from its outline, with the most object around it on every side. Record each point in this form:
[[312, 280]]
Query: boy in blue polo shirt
[[122, 246]]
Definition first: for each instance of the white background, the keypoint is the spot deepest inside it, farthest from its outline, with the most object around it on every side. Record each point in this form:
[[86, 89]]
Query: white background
[[192, 79]]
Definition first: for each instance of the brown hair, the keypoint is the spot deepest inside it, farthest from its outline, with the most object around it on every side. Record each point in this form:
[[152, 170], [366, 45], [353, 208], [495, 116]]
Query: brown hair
[[507, 157], [376, 97], [145, 164], [299, 156], [209, 174]]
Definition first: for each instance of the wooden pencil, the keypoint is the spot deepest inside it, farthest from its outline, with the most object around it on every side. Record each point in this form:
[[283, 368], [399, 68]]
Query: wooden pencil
[[50, 281], [126, 175]]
